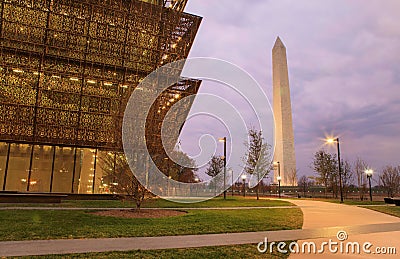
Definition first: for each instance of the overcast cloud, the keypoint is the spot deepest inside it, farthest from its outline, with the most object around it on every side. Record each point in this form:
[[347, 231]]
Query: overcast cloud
[[344, 67]]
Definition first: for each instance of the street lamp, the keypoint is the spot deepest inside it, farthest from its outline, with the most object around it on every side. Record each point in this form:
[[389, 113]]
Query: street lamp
[[244, 184], [279, 178], [231, 173], [197, 180], [224, 140], [331, 141], [369, 173], [168, 179]]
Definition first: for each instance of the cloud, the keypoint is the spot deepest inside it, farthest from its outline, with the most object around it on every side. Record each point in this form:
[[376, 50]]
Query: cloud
[[344, 65]]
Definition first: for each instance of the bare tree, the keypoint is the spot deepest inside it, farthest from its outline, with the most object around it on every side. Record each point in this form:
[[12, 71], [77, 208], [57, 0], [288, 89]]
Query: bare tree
[[121, 179], [347, 176], [257, 160], [359, 171], [304, 183], [292, 177], [390, 178], [325, 165]]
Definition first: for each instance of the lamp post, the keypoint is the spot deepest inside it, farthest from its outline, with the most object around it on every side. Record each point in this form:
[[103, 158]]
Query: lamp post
[[196, 180], [279, 178], [330, 141], [369, 174], [244, 184], [168, 179], [279, 186], [231, 173], [224, 140]]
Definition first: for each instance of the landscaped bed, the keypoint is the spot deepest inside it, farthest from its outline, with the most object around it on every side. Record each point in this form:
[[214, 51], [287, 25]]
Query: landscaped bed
[[142, 213]]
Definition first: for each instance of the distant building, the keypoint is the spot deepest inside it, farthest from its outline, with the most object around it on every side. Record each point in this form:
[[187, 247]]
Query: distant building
[[67, 70]]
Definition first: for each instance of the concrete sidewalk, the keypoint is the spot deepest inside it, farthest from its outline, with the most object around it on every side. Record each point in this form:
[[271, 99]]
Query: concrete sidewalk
[[68, 246], [205, 208], [318, 214]]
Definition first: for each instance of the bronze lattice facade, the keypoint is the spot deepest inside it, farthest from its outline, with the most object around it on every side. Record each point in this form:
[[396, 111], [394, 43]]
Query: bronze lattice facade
[[67, 70]]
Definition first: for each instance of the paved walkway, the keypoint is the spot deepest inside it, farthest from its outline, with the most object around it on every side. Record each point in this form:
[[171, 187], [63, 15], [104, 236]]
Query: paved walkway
[[323, 214], [66, 246], [322, 221], [219, 208]]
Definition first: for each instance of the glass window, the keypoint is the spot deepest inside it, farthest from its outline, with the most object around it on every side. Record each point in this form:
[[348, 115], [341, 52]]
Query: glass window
[[86, 162], [104, 171], [3, 159], [18, 167], [41, 168], [63, 169]]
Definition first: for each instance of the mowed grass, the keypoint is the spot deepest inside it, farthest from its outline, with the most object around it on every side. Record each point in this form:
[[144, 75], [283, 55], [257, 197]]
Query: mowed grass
[[62, 224], [350, 202], [239, 251], [391, 210], [235, 201]]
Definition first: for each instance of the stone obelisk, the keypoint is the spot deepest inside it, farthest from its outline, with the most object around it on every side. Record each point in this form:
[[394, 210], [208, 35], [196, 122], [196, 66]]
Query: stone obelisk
[[284, 137]]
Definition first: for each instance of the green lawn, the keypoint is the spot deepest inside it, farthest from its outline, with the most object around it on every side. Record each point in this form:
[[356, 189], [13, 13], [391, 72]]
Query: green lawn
[[56, 224], [230, 201], [240, 251], [236, 201], [350, 202], [391, 210]]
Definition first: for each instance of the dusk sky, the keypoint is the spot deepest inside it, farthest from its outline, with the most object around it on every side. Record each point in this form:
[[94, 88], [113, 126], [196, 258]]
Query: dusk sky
[[344, 68]]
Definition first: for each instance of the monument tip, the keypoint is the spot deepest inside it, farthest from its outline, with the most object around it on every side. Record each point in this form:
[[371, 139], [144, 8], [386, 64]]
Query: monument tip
[[279, 43]]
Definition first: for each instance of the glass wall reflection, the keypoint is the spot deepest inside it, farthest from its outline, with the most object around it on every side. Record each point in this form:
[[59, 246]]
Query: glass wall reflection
[[18, 167], [52, 169], [87, 172], [41, 169], [3, 159], [104, 171], [63, 169]]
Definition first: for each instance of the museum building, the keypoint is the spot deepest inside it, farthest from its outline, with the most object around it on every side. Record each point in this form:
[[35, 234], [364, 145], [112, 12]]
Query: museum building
[[67, 70]]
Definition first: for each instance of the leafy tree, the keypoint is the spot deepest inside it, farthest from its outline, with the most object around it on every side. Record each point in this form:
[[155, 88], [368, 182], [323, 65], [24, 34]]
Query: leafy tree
[[325, 165], [390, 178], [215, 167], [185, 174], [257, 160]]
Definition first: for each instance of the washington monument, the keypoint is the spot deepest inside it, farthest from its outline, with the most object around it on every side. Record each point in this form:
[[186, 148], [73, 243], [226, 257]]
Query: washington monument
[[284, 157]]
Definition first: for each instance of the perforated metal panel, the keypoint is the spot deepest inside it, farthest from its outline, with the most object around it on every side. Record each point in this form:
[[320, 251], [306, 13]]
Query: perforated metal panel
[[68, 67]]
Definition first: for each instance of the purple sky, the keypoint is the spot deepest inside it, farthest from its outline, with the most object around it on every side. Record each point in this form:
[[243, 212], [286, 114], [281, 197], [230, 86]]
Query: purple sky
[[344, 67]]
